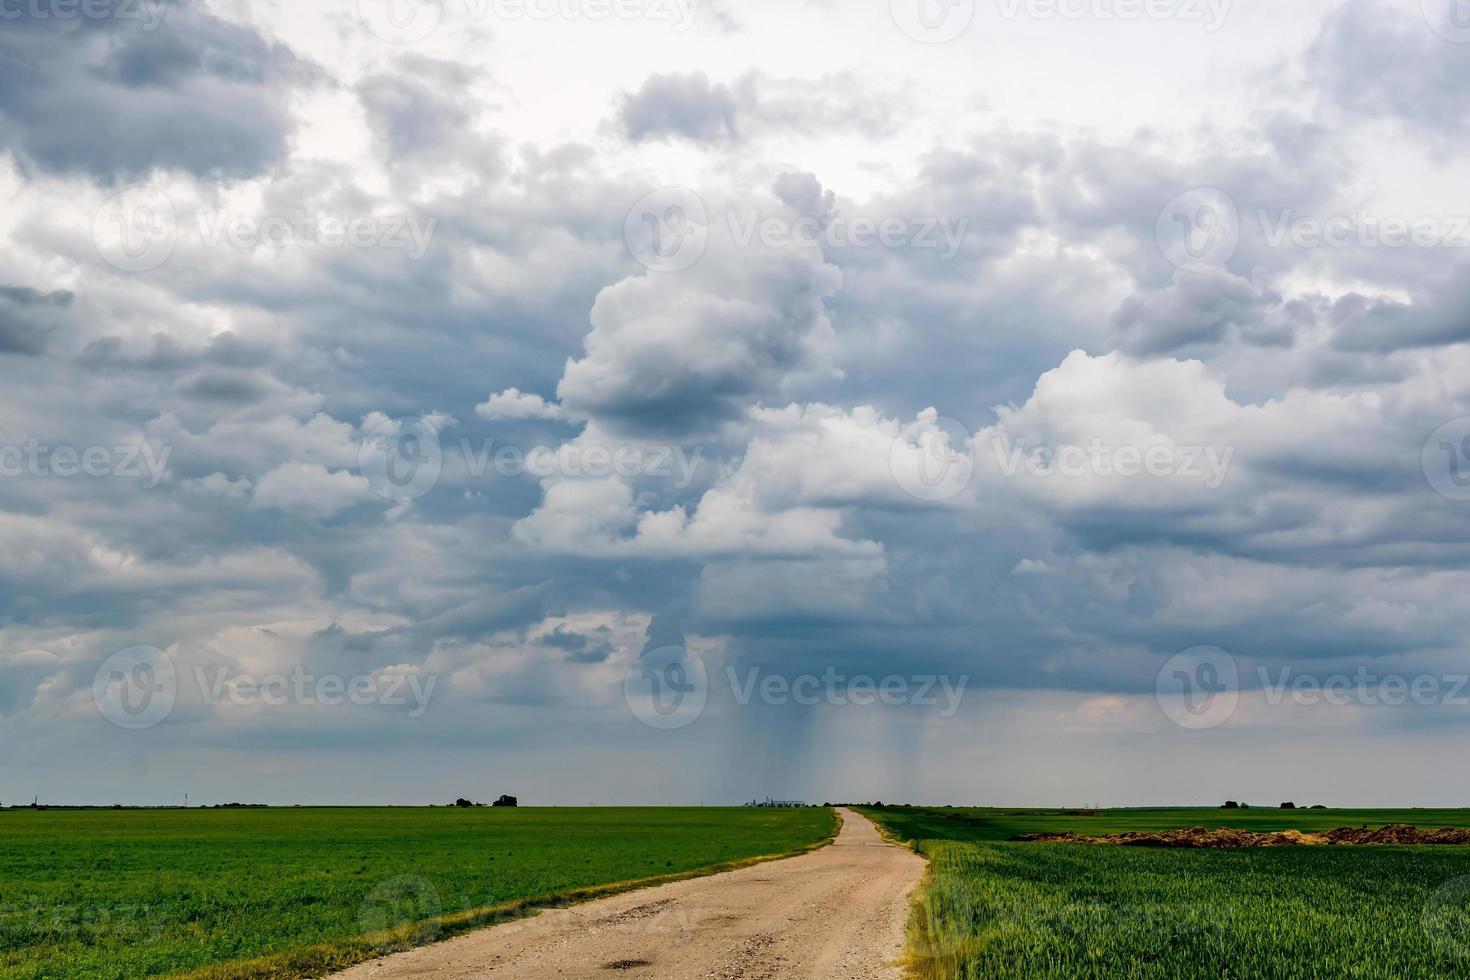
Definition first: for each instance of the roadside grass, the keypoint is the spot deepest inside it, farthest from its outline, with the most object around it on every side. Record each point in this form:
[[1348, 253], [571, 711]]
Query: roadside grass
[[991, 908], [215, 894]]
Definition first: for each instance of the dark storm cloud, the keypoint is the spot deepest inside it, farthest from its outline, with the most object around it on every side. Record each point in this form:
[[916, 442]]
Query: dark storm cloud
[[28, 318], [116, 97], [1201, 309], [1439, 314], [581, 648]]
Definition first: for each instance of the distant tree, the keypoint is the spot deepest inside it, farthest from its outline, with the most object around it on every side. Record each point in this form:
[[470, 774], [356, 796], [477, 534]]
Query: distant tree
[[1230, 805], [462, 802], [507, 801], [1288, 806]]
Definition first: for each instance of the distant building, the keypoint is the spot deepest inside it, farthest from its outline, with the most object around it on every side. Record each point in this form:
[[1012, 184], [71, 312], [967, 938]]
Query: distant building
[[778, 804]]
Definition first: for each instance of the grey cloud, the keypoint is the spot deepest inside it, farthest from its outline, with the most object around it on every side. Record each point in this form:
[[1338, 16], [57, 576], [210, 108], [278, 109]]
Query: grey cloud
[[110, 98], [803, 193], [1379, 61], [581, 648], [680, 354], [419, 110], [1438, 314], [28, 318], [1202, 309], [689, 106]]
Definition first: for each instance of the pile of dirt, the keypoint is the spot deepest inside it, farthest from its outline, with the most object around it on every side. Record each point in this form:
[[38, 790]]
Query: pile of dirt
[[1397, 833], [1229, 837]]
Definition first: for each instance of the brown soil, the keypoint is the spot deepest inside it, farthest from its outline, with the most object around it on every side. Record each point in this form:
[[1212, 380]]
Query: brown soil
[[1228, 837]]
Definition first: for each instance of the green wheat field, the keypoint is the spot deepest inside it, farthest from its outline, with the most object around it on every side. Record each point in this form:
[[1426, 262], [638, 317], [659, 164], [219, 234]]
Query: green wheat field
[[298, 892], [994, 908]]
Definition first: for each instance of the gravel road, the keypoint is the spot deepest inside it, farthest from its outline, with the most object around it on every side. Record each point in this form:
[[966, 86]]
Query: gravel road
[[834, 914]]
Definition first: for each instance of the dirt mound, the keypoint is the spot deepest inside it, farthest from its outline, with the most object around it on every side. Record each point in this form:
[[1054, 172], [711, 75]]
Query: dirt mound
[[1397, 833], [1229, 837]]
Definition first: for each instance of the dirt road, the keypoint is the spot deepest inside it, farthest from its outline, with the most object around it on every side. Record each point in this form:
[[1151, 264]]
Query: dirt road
[[834, 914]]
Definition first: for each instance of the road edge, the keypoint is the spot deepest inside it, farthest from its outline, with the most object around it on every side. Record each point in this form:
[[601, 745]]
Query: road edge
[[324, 960]]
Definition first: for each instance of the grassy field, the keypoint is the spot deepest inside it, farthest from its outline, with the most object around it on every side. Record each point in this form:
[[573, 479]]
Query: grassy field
[[990, 824], [295, 892], [991, 908]]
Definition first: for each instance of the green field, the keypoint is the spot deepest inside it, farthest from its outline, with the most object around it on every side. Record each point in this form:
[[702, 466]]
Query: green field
[[295, 892], [990, 908]]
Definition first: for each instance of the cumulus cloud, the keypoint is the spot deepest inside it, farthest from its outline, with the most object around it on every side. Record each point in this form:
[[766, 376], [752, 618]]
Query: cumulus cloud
[[310, 489], [145, 86], [512, 403], [680, 354], [872, 438]]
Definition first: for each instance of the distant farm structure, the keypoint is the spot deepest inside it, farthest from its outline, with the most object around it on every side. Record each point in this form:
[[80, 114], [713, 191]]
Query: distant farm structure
[[777, 804]]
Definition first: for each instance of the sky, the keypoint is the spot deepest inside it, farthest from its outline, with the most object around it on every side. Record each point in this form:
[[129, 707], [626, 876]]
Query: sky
[[1016, 402]]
